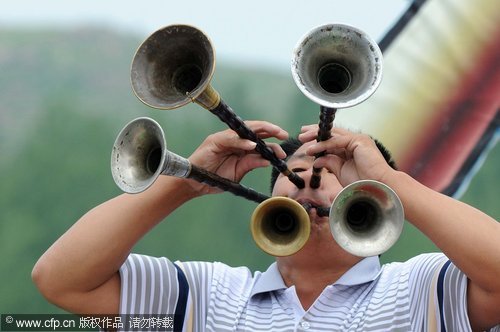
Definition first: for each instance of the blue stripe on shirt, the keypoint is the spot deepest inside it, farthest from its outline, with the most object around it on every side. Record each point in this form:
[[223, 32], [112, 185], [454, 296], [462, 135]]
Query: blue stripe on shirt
[[180, 308], [440, 291]]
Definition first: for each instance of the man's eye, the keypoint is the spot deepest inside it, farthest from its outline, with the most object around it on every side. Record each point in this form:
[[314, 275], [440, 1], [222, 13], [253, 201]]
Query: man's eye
[[298, 170]]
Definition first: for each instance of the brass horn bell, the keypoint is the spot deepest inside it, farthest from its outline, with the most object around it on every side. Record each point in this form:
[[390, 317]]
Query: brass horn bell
[[366, 218], [280, 226]]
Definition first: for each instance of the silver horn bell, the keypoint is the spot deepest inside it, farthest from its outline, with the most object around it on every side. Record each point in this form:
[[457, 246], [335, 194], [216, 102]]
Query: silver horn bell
[[140, 156], [366, 218], [337, 66], [173, 67]]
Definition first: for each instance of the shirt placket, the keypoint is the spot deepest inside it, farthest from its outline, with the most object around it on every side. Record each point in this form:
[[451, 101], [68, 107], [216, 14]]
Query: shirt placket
[[301, 322]]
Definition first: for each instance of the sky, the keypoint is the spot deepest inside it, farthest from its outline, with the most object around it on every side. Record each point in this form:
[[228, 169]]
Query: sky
[[257, 32]]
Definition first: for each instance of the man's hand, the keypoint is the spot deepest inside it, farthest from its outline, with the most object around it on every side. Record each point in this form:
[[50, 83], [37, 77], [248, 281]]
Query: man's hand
[[350, 156], [231, 157]]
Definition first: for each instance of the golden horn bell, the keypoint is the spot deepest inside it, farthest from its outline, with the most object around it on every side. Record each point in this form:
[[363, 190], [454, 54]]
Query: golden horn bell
[[280, 226]]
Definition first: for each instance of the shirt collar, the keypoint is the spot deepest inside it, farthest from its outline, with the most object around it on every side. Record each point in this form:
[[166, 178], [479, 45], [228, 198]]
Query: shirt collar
[[268, 281], [364, 271]]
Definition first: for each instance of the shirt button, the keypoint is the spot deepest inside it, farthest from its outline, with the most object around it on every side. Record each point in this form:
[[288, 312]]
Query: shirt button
[[305, 325]]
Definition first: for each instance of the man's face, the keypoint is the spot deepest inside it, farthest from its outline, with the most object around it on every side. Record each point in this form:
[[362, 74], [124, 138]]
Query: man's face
[[301, 164]]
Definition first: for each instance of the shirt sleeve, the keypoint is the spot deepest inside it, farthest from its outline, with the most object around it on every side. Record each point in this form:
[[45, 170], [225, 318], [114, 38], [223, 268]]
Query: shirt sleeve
[[438, 292], [149, 285], [158, 286], [214, 287], [152, 286]]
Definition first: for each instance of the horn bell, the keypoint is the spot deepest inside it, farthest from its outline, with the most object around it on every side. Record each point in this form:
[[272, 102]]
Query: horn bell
[[138, 155], [173, 67], [337, 65], [366, 218], [280, 226]]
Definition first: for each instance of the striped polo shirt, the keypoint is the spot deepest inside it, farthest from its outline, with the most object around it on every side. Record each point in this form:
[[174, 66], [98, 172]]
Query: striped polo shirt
[[426, 293]]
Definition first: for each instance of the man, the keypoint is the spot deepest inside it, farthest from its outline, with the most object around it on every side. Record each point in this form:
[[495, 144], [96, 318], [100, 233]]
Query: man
[[321, 287]]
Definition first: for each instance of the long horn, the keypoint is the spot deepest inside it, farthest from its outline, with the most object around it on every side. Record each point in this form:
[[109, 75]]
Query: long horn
[[366, 218], [336, 66], [140, 156], [280, 226], [174, 66]]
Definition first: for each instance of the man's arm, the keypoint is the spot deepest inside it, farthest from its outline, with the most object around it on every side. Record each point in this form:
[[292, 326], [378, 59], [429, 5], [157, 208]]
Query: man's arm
[[467, 236], [79, 272]]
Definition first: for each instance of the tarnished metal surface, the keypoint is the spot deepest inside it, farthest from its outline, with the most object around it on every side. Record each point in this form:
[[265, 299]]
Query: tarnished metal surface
[[173, 67], [376, 224], [337, 66], [138, 155]]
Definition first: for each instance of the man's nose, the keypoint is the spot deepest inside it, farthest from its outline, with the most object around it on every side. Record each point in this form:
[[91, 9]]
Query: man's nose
[[310, 182]]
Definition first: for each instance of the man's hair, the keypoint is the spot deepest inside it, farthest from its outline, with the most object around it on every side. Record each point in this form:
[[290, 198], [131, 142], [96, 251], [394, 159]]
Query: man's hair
[[292, 144]]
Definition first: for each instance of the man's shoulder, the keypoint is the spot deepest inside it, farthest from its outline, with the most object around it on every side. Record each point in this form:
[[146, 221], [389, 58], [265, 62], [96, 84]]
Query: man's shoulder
[[421, 259], [218, 273], [418, 264]]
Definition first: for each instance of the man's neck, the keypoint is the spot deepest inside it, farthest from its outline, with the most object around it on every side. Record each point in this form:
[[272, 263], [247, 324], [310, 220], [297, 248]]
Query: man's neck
[[311, 272]]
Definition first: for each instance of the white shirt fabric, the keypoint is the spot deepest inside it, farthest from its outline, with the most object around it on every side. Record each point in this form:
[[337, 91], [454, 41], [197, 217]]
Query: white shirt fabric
[[426, 293]]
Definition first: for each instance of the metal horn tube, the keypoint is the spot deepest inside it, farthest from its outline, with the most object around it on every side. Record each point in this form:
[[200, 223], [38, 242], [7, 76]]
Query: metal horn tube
[[174, 66], [140, 155], [280, 226], [336, 66], [366, 218]]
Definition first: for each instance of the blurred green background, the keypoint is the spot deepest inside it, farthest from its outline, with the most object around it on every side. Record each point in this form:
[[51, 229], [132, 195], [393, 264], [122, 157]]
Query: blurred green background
[[64, 96]]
